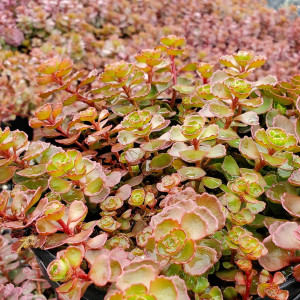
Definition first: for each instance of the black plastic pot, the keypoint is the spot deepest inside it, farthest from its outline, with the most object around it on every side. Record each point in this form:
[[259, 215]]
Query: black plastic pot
[[44, 258]]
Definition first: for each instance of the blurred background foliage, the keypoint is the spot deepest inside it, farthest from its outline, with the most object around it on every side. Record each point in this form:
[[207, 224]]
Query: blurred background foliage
[[96, 32]]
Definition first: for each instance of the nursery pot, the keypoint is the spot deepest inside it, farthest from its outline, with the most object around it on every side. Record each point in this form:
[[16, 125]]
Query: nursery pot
[[44, 258]]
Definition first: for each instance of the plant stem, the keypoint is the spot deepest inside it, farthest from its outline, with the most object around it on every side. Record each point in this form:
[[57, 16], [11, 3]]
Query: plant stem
[[196, 144], [260, 165], [234, 105], [64, 227], [67, 135], [249, 275]]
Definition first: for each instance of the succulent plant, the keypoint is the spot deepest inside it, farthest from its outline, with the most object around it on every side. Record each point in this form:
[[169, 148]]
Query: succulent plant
[[97, 33], [147, 197]]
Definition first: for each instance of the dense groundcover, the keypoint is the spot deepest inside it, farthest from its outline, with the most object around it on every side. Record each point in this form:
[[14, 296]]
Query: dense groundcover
[[141, 165], [159, 179], [95, 32]]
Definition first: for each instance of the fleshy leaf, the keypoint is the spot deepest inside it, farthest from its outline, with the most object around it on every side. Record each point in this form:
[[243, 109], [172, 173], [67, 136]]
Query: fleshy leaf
[[163, 288], [291, 203], [230, 166], [161, 161], [94, 187], [249, 149], [211, 182], [143, 274], [191, 173], [276, 258], [100, 271], [59, 185], [192, 155], [34, 171], [194, 225], [203, 260], [6, 173], [284, 236]]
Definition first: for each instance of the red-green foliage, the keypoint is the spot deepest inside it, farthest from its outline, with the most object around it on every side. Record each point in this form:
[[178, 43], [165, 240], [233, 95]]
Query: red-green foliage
[[153, 175], [94, 33]]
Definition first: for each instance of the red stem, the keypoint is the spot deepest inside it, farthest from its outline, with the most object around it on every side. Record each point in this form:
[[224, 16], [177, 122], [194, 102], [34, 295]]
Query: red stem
[[64, 227], [234, 105], [249, 276]]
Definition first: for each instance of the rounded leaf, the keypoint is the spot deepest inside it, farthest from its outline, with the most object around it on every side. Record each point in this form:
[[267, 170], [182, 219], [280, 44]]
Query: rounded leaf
[[161, 161], [163, 289], [59, 185], [291, 203], [284, 236], [203, 260], [276, 258], [194, 225], [191, 173], [100, 271], [192, 155]]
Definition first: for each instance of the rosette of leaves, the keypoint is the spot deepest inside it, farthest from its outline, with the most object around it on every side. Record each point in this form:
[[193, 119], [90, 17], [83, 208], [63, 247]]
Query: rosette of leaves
[[242, 63], [248, 248], [139, 181], [241, 198], [140, 124], [236, 100], [269, 285], [273, 147], [178, 230]]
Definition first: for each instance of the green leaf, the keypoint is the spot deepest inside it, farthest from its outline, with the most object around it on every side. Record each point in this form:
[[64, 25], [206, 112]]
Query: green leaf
[[72, 195], [153, 145], [273, 161], [192, 155], [233, 203], [184, 89], [189, 67], [276, 191], [134, 155], [191, 173], [266, 82], [161, 161], [221, 91], [59, 185], [126, 137], [209, 133], [220, 110], [70, 100], [211, 182], [217, 151], [266, 106], [230, 166], [249, 149], [34, 171], [94, 187], [6, 173], [203, 260]]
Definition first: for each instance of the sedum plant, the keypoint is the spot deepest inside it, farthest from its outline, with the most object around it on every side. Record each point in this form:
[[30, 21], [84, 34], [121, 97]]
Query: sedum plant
[[94, 33], [156, 178]]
